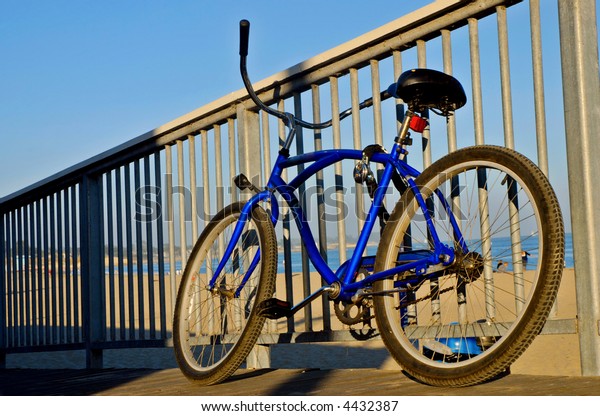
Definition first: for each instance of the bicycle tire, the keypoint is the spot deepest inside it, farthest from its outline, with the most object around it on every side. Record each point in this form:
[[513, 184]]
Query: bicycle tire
[[214, 331], [446, 332]]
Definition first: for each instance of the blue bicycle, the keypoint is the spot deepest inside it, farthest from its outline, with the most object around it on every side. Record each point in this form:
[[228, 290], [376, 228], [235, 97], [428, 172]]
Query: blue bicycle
[[453, 299]]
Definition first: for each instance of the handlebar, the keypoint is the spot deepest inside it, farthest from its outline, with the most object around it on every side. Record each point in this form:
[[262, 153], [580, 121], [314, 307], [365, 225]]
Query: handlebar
[[289, 119], [244, 35]]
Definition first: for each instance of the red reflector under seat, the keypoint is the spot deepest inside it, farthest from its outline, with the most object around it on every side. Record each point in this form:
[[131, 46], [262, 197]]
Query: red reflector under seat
[[418, 124]]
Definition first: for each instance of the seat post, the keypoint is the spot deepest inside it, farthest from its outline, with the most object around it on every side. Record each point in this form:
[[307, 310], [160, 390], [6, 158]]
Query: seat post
[[403, 132]]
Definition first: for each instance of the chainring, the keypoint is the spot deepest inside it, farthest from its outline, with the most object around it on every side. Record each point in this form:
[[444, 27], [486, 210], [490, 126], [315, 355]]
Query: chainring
[[352, 314]]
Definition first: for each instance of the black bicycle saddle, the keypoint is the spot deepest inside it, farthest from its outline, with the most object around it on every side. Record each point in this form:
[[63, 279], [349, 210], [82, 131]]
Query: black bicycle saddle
[[426, 88]]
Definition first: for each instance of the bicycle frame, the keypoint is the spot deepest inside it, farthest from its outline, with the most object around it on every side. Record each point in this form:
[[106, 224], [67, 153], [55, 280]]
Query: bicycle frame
[[419, 260]]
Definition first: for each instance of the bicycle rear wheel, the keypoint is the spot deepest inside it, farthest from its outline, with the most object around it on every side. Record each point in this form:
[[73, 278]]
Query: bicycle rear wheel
[[469, 322], [215, 328]]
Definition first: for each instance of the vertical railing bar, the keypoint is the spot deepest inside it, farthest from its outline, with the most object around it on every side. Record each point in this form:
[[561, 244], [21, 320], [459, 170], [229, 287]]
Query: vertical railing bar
[[63, 254], [47, 320], [375, 89], [232, 161], [37, 273], [538, 94], [18, 288], [339, 184], [249, 145], [181, 182], [67, 250], [9, 279], [356, 135], [286, 226], [120, 256], [3, 290], [27, 275], [139, 248], [426, 135], [427, 159], [91, 197], [377, 121], [53, 279], [265, 145], [452, 146], [206, 214], [509, 141], [231, 137], [507, 113], [111, 256], [249, 154], [476, 80], [129, 247], [23, 276], [59, 264], [14, 291], [318, 143], [193, 186], [21, 324], [171, 225], [264, 122], [397, 63], [538, 85], [399, 107], [32, 274], [16, 283], [149, 248], [447, 59], [7, 328], [479, 139], [76, 259], [40, 273], [20, 293], [308, 316], [160, 247], [219, 167], [101, 264]]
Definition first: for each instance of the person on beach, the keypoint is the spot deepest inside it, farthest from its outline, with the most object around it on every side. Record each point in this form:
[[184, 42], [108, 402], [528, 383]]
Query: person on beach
[[525, 257]]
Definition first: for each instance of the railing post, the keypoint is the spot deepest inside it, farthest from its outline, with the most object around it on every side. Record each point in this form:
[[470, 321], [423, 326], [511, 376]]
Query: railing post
[[2, 294], [581, 89], [249, 156], [249, 149], [92, 271]]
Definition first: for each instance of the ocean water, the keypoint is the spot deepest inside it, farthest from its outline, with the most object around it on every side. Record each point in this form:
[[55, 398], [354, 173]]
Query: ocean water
[[500, 249]]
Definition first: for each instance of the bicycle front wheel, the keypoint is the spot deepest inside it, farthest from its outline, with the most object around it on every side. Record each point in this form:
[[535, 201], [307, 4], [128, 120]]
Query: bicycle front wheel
[[216, 323], [466, 323]]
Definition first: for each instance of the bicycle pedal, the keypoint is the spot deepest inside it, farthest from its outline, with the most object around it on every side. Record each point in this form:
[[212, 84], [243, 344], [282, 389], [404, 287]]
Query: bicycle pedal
[[274, 308]]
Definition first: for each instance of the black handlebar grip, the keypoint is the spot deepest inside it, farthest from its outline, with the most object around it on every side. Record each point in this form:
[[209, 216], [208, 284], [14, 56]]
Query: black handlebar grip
[[244, 34]]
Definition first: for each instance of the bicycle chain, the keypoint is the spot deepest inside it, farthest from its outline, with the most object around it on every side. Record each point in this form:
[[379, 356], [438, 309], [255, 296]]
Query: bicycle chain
[[413, 302]]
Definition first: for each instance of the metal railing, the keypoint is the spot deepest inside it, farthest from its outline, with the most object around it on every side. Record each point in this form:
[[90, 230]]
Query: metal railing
[[90, 257]]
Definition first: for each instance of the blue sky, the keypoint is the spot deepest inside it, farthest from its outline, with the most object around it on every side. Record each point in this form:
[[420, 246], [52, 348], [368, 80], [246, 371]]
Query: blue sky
[[80, 77]]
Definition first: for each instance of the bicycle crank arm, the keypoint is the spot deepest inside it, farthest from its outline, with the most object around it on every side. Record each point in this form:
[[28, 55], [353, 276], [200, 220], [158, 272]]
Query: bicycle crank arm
[[275, 308]]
